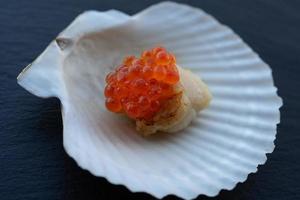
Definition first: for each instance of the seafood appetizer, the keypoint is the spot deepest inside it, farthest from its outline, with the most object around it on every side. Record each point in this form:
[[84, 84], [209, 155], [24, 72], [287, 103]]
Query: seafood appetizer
[[155, 92]]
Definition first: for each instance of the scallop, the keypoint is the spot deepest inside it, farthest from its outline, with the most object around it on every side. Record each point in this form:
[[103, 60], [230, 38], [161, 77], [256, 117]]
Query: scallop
[[181, 109], [222, 145]]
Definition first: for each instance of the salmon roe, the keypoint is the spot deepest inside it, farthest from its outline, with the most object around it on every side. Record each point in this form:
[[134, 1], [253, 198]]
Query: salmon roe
[[139, 86]]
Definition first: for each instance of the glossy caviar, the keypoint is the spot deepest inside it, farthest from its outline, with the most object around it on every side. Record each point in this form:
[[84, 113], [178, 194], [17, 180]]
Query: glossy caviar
[[139, 86]]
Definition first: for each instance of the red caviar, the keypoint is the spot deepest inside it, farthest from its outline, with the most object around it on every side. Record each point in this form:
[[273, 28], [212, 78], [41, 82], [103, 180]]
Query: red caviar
[[139, 86]]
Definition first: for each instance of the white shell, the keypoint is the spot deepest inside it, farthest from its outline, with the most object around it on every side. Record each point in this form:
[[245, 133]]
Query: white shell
[[225, 143]]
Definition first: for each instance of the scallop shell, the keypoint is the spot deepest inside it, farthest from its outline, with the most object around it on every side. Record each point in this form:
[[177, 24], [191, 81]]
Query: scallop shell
[[225, 143]]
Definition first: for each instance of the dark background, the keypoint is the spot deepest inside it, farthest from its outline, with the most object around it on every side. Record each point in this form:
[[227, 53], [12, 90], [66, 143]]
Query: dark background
[[33, 163]]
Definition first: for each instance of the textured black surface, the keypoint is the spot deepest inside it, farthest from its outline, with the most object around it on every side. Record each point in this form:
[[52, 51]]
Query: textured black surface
[[33, 164]]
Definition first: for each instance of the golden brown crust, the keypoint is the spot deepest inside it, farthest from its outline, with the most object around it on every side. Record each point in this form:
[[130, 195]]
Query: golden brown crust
[[165, 118]]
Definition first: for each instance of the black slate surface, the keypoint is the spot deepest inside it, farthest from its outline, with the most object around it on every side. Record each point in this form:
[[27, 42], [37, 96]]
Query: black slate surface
[[33, 163]]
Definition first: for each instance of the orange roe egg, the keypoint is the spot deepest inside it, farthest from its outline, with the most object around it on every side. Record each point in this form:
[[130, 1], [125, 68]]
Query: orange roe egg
[[159, 72], [155, 92], [122, 74], [128, 60], [109, 90], [151, 62], [121, 92], [140, 86], [132, 110], [143, 101], [110, 77], [146, 54], [113, 104], [155, 105], [147, 72], [167, 90], [162, 58], [135, 70], [171, 77], [158, 49]]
